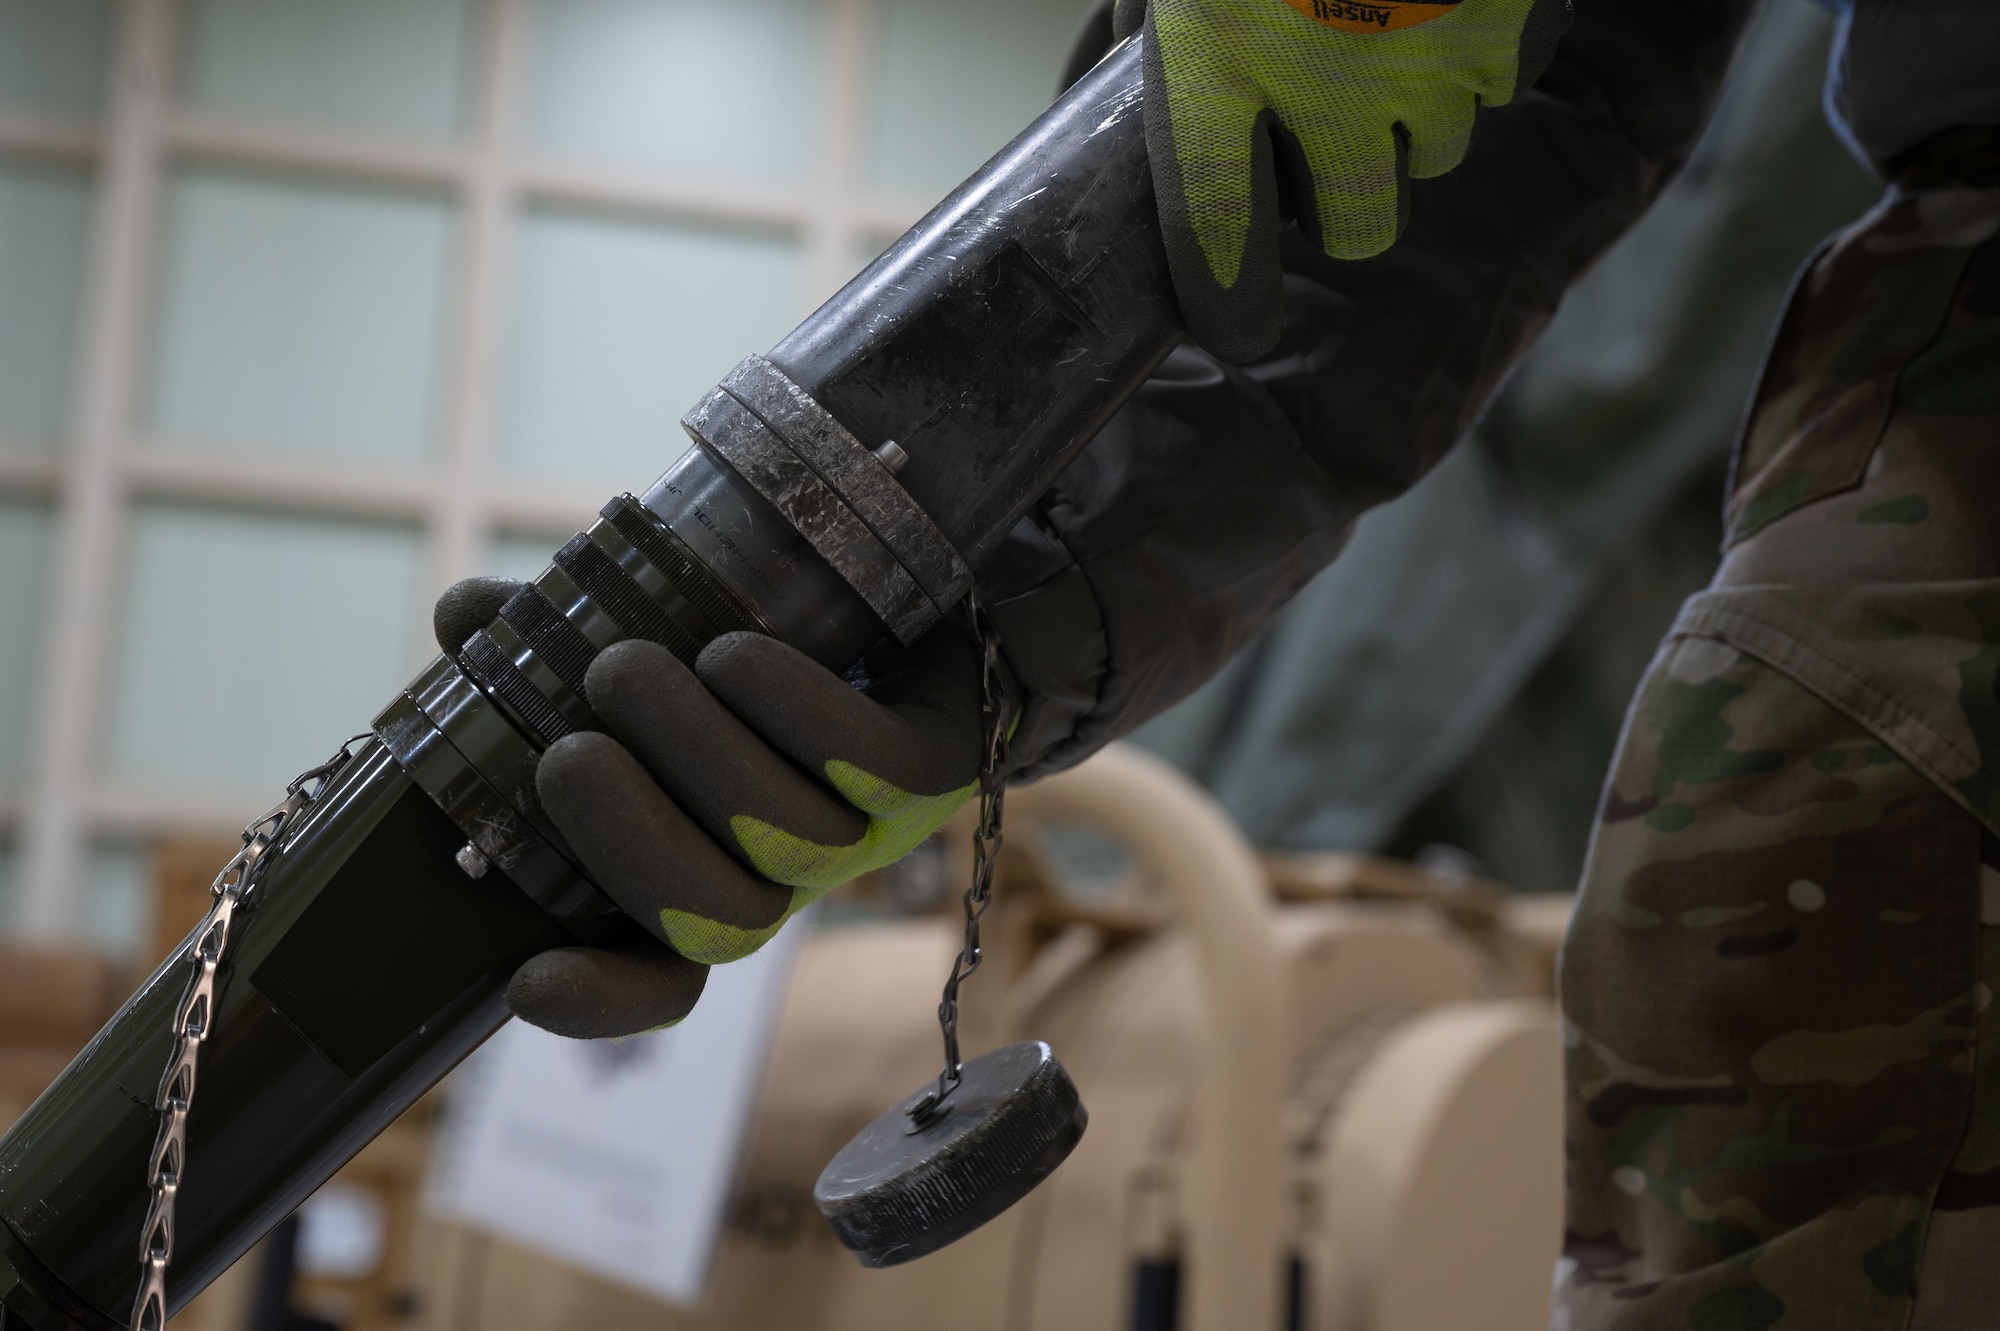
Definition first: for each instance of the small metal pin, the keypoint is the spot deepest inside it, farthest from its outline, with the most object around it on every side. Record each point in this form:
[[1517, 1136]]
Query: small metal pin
[[472, 861], [927, 1110], [892, 455]]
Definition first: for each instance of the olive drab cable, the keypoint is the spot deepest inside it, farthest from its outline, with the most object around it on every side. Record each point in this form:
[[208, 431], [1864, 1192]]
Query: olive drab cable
[[194, 1022], [985, 853]]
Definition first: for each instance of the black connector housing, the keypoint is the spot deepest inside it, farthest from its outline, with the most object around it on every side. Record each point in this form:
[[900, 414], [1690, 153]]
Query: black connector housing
[[987, 346]]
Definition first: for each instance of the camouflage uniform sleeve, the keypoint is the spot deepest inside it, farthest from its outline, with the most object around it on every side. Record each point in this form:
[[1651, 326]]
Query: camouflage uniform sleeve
[[1783, 1091], [1863, 555]]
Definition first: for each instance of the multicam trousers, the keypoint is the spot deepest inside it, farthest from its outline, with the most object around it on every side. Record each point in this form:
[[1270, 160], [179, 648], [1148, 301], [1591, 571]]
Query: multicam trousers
[[1783, 1058]]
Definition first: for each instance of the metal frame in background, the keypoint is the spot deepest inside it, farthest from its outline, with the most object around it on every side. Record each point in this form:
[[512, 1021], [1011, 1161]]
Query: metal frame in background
[[460, 500]]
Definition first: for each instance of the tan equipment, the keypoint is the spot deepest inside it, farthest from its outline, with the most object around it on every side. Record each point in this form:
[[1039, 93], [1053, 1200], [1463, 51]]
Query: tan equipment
[[52, 1000], [1322, 1082]]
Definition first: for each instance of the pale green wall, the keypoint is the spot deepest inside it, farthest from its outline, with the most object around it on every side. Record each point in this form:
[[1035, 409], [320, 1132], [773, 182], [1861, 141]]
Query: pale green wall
[[387, 66], [52, 55], [731, 86], [306, 317], [199, 701], [44, 229], [299, 318], [24, 569]]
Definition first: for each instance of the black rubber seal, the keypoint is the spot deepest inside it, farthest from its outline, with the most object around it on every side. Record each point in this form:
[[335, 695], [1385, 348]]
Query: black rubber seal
[[554, 639], [663, 550], [623, 599], [503, 680]]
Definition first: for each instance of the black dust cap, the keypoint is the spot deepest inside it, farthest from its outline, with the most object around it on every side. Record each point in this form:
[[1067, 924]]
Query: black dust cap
[[899, 1191]]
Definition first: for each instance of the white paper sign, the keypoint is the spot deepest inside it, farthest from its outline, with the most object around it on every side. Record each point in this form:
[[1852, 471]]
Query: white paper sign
[[617, 1155]]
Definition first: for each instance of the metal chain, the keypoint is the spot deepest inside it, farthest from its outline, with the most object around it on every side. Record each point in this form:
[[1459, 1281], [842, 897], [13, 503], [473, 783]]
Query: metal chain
[[986, 842], [193, 1024]]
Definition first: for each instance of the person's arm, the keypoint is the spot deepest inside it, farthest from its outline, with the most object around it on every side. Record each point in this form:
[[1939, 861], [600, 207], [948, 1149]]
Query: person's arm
[[1270, 121], [1219, 491], [724, 797]]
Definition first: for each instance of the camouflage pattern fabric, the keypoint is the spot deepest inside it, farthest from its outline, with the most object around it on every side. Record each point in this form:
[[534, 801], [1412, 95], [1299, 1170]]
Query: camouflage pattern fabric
[[1783, 1081]]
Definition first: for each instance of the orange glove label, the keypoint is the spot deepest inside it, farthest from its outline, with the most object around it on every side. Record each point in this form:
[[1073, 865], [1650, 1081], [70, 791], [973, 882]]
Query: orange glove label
[[1372, 15]]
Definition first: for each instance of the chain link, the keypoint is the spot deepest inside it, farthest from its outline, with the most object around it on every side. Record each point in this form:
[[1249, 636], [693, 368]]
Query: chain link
[[986, 841], [193, 1024]]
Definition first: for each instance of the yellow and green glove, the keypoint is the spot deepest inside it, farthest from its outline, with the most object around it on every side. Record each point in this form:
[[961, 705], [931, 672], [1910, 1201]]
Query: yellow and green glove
[[1321, 110], [725, 798]]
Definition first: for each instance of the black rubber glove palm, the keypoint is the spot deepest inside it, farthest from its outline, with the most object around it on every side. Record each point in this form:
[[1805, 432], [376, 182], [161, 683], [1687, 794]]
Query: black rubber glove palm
[[725, 798]]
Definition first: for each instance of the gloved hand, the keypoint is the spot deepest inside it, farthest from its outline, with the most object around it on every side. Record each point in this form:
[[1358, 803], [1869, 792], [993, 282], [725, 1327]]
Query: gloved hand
[[726, 798], [1323, 109]]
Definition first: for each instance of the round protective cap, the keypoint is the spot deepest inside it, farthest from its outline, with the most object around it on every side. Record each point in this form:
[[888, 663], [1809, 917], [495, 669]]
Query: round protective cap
[[899, 1191]]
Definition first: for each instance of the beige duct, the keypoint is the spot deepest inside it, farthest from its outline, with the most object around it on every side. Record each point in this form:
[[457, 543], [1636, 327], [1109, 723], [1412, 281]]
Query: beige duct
[[1215, 888], [1350, 1074]]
